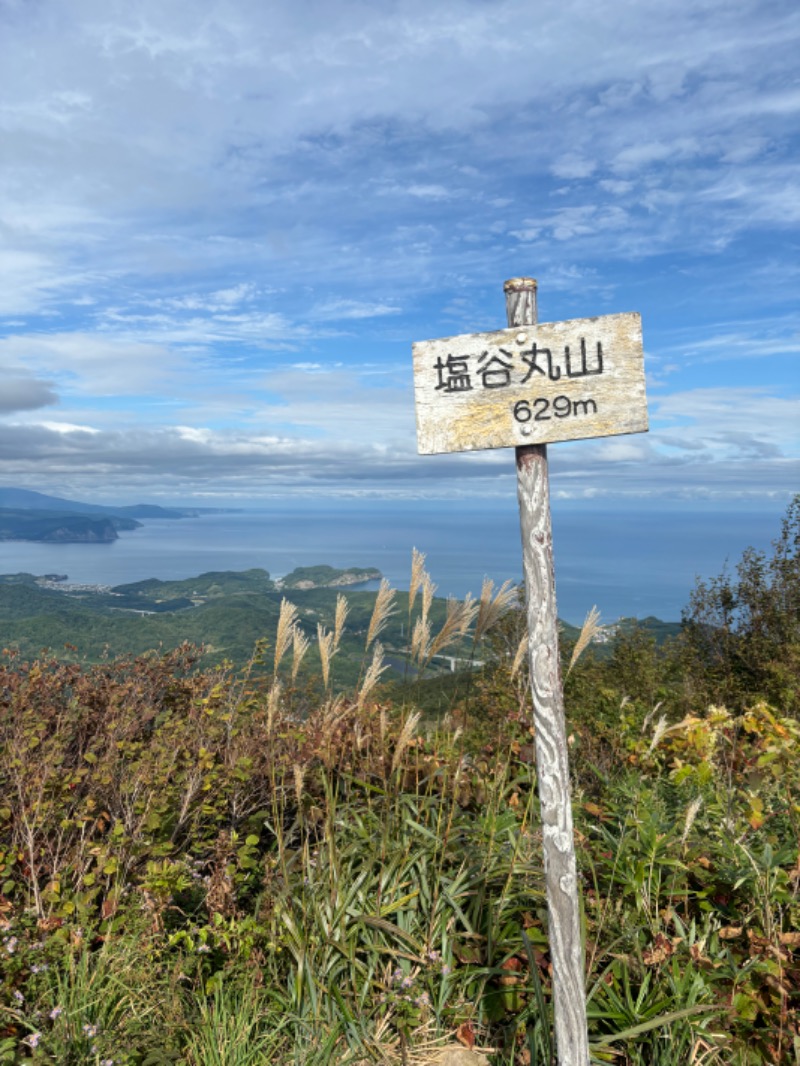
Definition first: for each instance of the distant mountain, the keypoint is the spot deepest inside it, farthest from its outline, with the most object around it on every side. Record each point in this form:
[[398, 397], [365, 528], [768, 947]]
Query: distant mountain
[[28, 500], [61, 527]]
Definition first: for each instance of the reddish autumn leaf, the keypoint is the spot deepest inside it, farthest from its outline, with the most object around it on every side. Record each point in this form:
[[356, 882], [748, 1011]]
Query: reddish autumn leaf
[[511, 967], [465, 1035]]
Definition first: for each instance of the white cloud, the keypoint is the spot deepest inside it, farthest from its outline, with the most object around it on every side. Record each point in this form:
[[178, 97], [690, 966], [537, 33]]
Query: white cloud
[[637, 156], [196, 195], [573, 166], [333, 310], [732, 420], [65, 427], [95, 364]]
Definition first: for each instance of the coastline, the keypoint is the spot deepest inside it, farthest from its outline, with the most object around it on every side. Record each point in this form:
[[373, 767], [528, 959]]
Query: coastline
[[630, 564]]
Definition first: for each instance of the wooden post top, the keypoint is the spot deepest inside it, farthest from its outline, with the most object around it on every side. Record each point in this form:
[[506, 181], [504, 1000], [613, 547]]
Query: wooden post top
[[520, 285]]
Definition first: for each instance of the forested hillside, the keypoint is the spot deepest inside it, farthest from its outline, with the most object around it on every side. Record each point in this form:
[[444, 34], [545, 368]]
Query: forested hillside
[[224, 614], [243, 866]]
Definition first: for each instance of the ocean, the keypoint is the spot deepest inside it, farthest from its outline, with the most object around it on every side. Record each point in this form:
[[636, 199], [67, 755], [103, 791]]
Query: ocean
[[629, 562]]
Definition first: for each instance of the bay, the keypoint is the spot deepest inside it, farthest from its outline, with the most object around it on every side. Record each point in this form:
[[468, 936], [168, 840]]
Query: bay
[[631, 561]]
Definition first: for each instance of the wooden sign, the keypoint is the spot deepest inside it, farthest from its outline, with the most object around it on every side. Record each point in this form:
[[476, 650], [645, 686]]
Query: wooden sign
[[531, 385], [526, 386]]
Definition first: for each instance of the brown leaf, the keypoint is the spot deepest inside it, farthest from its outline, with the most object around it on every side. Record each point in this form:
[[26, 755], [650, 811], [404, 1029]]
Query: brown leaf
[[696, 952], [47, 925], [730, 932], [465, 1035], [660, 950], [511, 967], [109, 907]]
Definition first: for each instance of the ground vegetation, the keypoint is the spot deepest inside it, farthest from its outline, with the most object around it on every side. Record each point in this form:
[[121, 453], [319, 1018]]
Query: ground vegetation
[[208, 865]]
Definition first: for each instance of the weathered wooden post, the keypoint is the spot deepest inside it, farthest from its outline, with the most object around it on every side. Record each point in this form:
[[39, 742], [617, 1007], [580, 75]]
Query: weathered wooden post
[[552, 762], [525, 386]]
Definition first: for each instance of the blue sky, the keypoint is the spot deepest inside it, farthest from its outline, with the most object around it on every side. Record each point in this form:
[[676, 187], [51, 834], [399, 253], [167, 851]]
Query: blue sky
[[222, 225]]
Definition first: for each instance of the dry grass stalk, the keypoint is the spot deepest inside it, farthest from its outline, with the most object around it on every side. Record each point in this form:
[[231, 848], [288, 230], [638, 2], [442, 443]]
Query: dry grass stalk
[[659, 733], [420, 640], [406, 735], [359, 736], [382, 611], [299, 780], [589, 630], [339, 620], [428, 590], [519, 655], [326, 652], [383, 725], [490, 610], [283, 639], [691, 814], [336, 710], [300, 645], [417, 575], [650, 715], [273, 704], [373, 674], [460, 616]]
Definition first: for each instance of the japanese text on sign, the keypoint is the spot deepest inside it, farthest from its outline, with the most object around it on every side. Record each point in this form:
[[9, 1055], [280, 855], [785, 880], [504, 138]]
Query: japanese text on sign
[[497, 371], [555, 381]]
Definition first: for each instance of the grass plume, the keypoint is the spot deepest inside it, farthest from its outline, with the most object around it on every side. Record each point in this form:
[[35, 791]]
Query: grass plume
[[405, 738], [373, 675], [589, 630], [519, 655], [492, 608], [459, 618], [284, 635], [340, 618], [417, 575], [300, 644], [326, 653], [381, 612]]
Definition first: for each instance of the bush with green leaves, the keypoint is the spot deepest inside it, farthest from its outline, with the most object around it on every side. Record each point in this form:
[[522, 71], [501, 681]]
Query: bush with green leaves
[[742, 629], [211, 866]]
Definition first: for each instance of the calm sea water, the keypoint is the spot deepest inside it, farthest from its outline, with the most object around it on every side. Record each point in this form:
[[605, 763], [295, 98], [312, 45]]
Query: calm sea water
[[632, 562]]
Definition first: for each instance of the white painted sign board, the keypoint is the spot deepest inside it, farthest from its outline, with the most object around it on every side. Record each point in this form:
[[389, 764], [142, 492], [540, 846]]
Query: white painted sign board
[[531, 385]]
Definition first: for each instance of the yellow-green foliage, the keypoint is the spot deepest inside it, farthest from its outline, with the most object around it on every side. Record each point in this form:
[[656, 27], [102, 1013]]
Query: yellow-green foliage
[[211, 866]]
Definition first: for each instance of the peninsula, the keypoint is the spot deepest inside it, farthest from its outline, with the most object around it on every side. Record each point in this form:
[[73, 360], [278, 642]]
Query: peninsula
[[34, 516], [326, 577]]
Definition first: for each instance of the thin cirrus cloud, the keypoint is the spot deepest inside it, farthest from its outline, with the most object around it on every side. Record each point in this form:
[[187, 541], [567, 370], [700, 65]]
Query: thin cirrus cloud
[[235, 219]]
